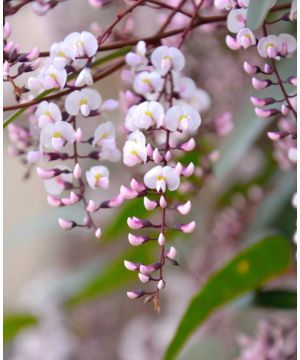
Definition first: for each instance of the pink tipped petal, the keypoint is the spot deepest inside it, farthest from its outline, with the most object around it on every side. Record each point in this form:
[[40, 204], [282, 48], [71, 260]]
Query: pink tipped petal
[[128, 193], [98, 233], [66, 224], [171, 253], [185, 208], [131, 266], [77, 172], [144, 278], [136, 240], [161, 284], [135, 294], [149, 204], [188, 228], [161, 239], [53, 201], [137, 186]]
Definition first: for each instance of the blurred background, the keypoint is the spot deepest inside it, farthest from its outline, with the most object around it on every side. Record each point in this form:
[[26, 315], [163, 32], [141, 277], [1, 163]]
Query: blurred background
[[76, 287]]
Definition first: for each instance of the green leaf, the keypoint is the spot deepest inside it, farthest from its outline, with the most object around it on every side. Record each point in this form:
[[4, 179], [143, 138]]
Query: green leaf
[[257, 12], [247, 271], [14, 323], [279, 299], [111, 277], [120, 52]]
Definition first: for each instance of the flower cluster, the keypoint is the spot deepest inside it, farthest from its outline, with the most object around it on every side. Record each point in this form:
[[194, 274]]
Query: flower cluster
[[269, 46], [160, 126]]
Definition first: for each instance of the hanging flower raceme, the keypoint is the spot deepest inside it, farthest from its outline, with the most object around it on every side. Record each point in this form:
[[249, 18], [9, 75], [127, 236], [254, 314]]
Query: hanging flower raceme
[[171, 116]]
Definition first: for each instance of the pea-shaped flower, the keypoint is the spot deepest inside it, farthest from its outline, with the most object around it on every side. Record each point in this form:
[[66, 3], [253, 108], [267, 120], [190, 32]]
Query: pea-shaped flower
[[47, 113], [56, 185], [236, 20], [165, 58], [56, 135], [82, 44], [83, 101], [135, 151], [162, 178], [183, 118], [137, 59], [148, 84], [98, 176]]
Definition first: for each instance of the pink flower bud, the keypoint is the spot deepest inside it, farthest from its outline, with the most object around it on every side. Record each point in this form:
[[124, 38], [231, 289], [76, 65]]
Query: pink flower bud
[[161, 239], [131, 266], [214, 156], [149, 204], [232, 43], [34, 157], [137, 186], [171, 253], [157, 156], [273, 135], [261, 101], [66, 224], [168, 156], [285, 109], [265, 113], [91, 207], [260, 84], [293, 81], [179, 168], [77, 172], [98, 233], [184, 209], [144, 278], [78, 135], [187, 228], [134, 223], [268, 69], [163, 202], [136, 240], [189, 145], [53, 201], [33, 54], [189, 170], [149, 150], [45, 174], [6, 30], [66, 201], [147, 269], [86, 221], [135, 294], [250, 69], [74, 197], [128, 193], [161, 284], [116, 202]]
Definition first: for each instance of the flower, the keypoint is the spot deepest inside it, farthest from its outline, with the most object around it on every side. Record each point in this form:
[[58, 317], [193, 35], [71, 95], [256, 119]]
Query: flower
[[287, 44], [224, 4], [56, 185], [236, 20], [49, 77], [83, 44], [165, 58], [200, 100], [182, 117], [61, 54], [145, 115], [267, 46], [135, 151], [98, 176], [47, 113], [105, 138], [148, 84], [245, 38], [57, 134], [84, 78], [84, 101], [160, 178], [137, 59], [184, 86]]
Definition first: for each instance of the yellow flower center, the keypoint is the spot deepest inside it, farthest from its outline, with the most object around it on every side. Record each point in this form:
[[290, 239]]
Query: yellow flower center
[[182, 117], [270, 45], [57, 135], [61, 54], [160, 177], [98, 176], [148, 113], [47, 113], [167, 57], [53, 76], [147, 81], [83, 102]]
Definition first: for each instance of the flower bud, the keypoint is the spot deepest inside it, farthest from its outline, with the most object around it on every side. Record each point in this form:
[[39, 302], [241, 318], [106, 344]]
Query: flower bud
[[78, 135], [188, 146], [272, 135], [144, 278], [250, 69], [131, 266], [74, 197], [33, 54], [45, 174], [128, 193], [168, 156], [116, 202], [268, 68], [149, 150], [135, 294], [171, 253], [189, 170], [157, 158], [161, 284], [53, 201], [260, 84], [187, 228], [91, 207], [66, 224], [184, 209], [6, 30], [149, 204], [137, 186], [232, 43], [77, 172], [293, 80], [261, 101], [178, 168], [98, 233], [34, 157], [265, 113], [285, 109], [161, 239], [136, 223], [147, 269], [163, 202], [136, 240]]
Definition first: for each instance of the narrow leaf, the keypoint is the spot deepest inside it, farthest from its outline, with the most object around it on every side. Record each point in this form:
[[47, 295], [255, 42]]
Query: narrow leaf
[[14, 323], [247, 271]]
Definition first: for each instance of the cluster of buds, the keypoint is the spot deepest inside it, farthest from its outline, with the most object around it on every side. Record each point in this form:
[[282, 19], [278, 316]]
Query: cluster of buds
[[271, 342], [270, 47], [160, 128]]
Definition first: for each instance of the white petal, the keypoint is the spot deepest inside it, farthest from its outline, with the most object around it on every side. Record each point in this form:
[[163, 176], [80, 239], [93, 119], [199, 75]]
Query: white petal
[[72, 102], [150, 177], [90, 43], [173, 179]]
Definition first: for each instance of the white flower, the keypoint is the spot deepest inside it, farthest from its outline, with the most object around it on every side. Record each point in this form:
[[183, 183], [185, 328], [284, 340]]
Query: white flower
[[49, 77], [200, 100], [56, 135], [98, 176], [245, 38], [182, 117], [83, 44], [165, 58], [184, 86], [224, 4], [84, 78], [287, 44], [84, 101], [55, 185], [161, 178], [267, 46], [105, 138], [138, 58], [148, 84], [145, 115], [236, 20], [61, 54], [135, 151], [47, 113]]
